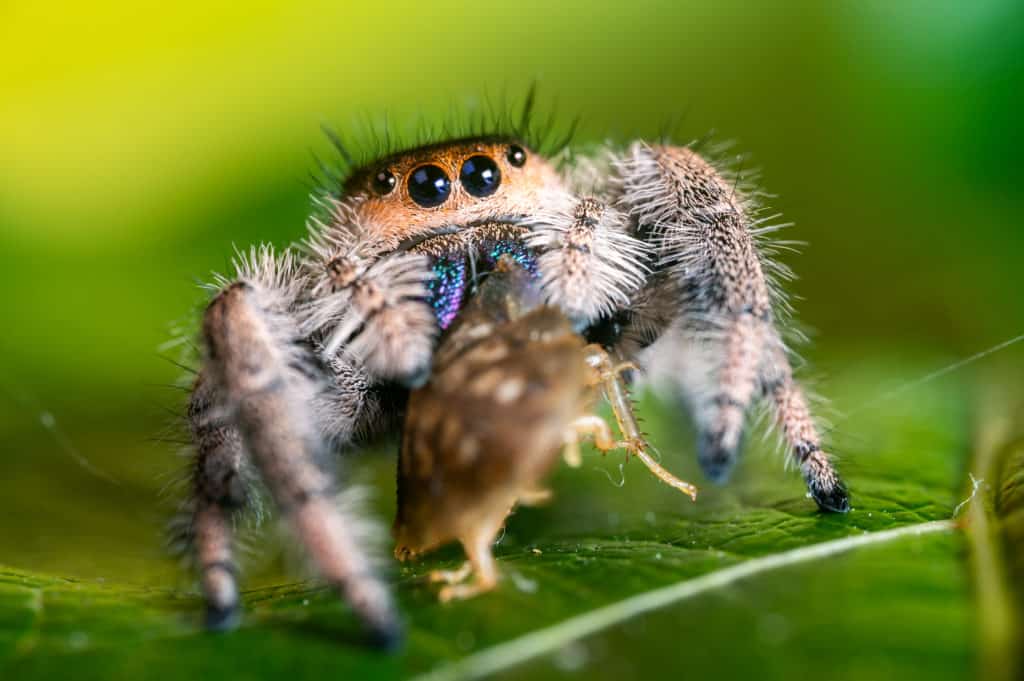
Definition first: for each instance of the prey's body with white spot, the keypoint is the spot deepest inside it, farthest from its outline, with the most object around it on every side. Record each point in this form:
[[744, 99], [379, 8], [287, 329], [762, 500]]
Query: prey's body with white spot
[[513, 386], [648, 251]]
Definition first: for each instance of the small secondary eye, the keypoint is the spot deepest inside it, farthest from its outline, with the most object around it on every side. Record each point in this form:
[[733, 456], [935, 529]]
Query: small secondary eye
[[480, 176], [516, 156], [384, 182], [429, 186]]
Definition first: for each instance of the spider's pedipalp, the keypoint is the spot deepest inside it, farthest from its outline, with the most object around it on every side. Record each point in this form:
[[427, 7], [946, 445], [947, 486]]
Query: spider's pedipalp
[[366, 302], [589, 265], [382, 319]]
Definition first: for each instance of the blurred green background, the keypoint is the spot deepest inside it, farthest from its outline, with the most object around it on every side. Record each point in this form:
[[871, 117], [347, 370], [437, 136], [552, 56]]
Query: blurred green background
[[139, 142]]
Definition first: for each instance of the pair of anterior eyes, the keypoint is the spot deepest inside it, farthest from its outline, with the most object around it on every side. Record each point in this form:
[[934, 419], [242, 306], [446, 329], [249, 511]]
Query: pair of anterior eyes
[[430, 186]]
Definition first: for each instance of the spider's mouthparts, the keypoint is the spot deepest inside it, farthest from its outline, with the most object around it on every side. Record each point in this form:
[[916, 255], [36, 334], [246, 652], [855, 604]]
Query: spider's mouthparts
[[459, 256]]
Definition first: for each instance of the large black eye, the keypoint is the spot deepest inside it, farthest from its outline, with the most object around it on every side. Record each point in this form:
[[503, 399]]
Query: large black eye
[[480, 176], [384, 181], [429, 186], [516, 155]]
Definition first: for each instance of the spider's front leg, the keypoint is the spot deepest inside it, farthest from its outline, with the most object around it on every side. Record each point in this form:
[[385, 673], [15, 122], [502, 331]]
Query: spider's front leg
[[266, 398], [719, 334]]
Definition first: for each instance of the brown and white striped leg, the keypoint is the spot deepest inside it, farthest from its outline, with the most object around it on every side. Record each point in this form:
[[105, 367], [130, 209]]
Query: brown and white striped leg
[[726, 401], [219, 492], [697, 223], [794, 420], [267, 387]]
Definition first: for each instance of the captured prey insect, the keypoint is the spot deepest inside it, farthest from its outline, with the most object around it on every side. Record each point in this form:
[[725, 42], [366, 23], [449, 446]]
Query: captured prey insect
[[512, 387], [648, 250]]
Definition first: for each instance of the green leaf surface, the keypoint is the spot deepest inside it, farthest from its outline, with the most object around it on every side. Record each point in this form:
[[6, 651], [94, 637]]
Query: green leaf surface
[[619, 577]]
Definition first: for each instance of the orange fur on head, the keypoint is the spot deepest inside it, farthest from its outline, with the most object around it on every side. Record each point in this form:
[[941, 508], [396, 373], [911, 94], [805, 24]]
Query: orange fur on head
[[394, 216]]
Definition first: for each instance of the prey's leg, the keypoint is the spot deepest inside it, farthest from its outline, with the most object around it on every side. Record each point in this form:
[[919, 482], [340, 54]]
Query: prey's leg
[[535, 497], [481, 560], [571, 450], [609, 376], [451, 576]]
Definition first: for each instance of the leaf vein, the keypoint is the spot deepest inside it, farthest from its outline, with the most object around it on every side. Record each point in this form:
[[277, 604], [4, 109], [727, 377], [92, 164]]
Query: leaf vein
[[552, 638]]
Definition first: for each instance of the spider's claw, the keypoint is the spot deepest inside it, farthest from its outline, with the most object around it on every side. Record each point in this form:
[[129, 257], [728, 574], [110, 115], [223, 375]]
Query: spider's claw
[[834, 499], [220, 618], [372, 603], [716, 459], [823, 482], [387, 636], [416, 379]]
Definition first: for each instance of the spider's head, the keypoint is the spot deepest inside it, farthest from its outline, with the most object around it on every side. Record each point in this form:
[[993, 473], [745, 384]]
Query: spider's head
[[455, 208], [415, 193]]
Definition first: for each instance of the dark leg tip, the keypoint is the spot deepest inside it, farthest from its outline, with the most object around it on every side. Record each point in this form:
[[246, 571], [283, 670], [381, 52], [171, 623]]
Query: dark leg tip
[[715, 460], [387, 637], [416, 379], [222, 618], [835, 499]]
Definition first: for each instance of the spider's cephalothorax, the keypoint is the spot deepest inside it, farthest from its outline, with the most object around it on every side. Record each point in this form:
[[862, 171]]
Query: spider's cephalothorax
[[659, 261]]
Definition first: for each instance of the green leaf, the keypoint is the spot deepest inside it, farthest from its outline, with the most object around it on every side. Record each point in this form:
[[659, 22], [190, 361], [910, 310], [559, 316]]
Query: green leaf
[[612, 579]]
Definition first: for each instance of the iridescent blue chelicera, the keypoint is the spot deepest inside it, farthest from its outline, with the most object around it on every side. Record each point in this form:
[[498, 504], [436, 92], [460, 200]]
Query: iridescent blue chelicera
[[448, 288], [520, 253], [449, 285]]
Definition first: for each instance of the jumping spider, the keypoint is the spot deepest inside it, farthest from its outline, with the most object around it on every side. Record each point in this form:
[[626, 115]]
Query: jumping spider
[[648, 250]]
